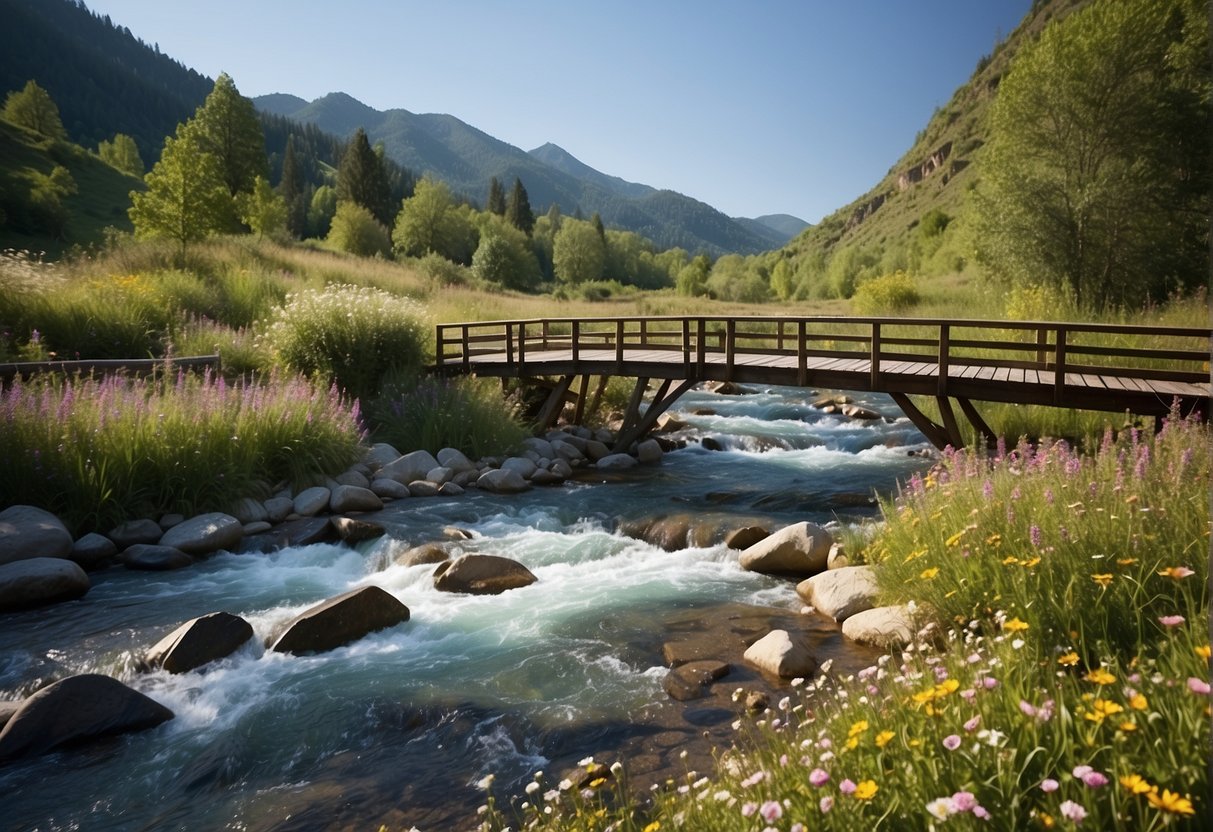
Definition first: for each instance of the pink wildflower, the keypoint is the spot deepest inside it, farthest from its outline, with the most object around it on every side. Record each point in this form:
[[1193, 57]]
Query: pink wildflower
[[1199, 686], [1049, 785], [971, 725], [1073, 811], [847, 786], [951, 742], [771, 811], [818, 777], [748, 809], [1170, 620], [826, 804]]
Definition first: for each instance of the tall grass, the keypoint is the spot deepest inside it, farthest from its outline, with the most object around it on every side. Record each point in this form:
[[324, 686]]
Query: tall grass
[[431, 413], [99, 452], [1060, 676]]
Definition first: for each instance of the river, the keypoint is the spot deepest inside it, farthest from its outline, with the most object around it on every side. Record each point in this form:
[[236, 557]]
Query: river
[[398, 727]]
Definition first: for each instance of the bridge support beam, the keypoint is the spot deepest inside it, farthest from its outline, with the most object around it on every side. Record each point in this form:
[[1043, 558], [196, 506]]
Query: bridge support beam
[[937, 435], [977, 422], [554, 403], [660, 404]]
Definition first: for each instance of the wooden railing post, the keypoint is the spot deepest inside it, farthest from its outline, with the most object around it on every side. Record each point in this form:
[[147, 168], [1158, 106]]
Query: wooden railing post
[[439, 345], [730, 346], [1059, 369], [779, 336], [544, 333], [521, 345], [802, 353], [945, 334], [466, 348], [874, 380], [644, 332], [686, 341], [701, 335], [509, 343], [576, 341], [619, 340], [1042, 347]]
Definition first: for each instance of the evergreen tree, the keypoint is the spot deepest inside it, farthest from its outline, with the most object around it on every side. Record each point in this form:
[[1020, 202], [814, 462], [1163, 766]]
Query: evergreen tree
[[293, 189], [361, 179], [186, 199], [518, 210], [228, 129], [496, 202], [123, 154], [34, 109], [596, 221]]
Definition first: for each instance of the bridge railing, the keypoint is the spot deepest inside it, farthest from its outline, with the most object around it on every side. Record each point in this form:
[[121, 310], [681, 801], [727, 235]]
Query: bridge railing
[[1057, 349]]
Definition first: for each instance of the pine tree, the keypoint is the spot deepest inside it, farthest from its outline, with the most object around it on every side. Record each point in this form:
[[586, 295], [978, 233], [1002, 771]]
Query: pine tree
[[33, 108], [292, 187], [361, 179], [496, 202], [518, 210], [228, 129], [596, 221]]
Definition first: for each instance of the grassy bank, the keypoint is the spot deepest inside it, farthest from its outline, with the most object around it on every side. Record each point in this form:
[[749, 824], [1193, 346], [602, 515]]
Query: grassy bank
[[1061, 674]]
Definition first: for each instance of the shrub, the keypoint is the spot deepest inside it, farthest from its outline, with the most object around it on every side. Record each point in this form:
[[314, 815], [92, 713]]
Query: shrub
[[355, 230], [431, 413], [894, 292], [240, 353], [353, 336]]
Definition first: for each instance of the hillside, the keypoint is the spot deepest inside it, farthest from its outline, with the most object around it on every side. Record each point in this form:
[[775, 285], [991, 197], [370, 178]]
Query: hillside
[[466, 158], [935, 175]]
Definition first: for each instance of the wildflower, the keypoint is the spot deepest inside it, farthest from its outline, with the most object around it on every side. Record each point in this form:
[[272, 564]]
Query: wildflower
[[532, 787], [940, 807], [866, 790], [754, 779], [1072, 811], [1049, 785], [883, 738], [954, 539], [1014, 625], [1100, 677], [1138, 702], [771, 811], [485, 782], [928, 574], [1127, 727], [858, 728], [951, 742], [826, 804], [981, 812], [964, 802], [847, 786], [1170, 620], [818, 777], [1176, 572], [971, 725], [1034, 536], [1046, 820], [1135, 784], [1104, 579], [1203, 651], [748, 809], [653, 827], [1068, 659], [1198, 686], [1101, 709], [1170, 802]]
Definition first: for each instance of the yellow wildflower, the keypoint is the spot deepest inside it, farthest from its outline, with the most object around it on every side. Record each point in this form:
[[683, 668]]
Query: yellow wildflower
[[1009, 560], [1103, 578], [915, 743], [928, 574], [1126, 561], [1135, 784], [1045, 820], [1176, 572], [1100, 677], [858, 728], [1028, 564], [1202, 651], [882, 739], [1102, 708], [1068, 660], [1014, 625], [954, 539], [1171, 802], [917, 553], [1128, 726], [653, 827], [1138, 702], [868, 788], [852, 743], [994, 540]]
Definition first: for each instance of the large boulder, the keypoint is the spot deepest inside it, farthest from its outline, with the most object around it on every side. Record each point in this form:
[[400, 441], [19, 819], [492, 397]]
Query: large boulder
[[781, 655], [76, 709], [152, 558], [649, 452], [616, 462], [409, 467], [840, 593], [481, 575], [424, 488], [387, 489], [29, 532], [199, 641], [134, 532], [455, 459], [33, 582], [356, 530], [887, 628], [278, 508], [205, 533], [311, 501], [502, 481], [524, 466], [540, 446], [93, 551], [380, 454], [800, 550], [340, 620], [745, 537], [424, 554], [353, 498]]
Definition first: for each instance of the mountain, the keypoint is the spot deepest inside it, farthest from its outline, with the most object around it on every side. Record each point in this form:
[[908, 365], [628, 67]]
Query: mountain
[[466, 158], [778, 228]]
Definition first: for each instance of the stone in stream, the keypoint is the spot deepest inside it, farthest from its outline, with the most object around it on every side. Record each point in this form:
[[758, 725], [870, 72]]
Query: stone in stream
[[356, 530], [277, 508], [887, 628], [500, 481], [93, 551], [7, 709], [423, 554], [686, 651], [355, 478], [799, 550], [75, 709], [133, 532], [387, 489], [840, 593], [455, 460], [781, 655], [302, 531], [340, 620], [693, 679], [248, 510], [409, 467], [347, 498], [205, 533], [649, 452], [199, 641], [745, 537], [34, 582], [423, 488], [152, 558], [481, 575], [311, 501], [31, 532], [520, 464], [617, 462], [380, 454]]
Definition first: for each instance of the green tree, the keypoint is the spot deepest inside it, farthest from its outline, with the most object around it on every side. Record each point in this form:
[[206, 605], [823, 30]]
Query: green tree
[[518, 209], [293, 188], [46, 199], [692, 279], [783, 280], [321, 210], [578, 253], [263, 210], [1096, 178], [596, 221], [496, 201], [504, 256], [429, 222], [361, 178], [33, 108], [186, 199], [123, 154], [355, 230], [227, 128]]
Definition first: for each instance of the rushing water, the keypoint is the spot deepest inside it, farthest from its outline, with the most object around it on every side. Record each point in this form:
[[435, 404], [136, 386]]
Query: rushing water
[[397, 728]]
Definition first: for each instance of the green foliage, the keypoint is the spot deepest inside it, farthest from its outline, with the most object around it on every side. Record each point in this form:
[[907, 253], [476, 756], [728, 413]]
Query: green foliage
[[518, 209], [736, 278], [362, 179], [355, 337], [227, 128], [578, 252], [848, 267], [496, 201], [263, 210], [890, 293], [692, 278], [435, 413], [122, 153], [429, 221], [293, 189], [1034, 302], [504, 257], [321, 210], [119, 449], [356, 231], [1097, 173], [440, 272], [186, 200], [46, 200], [33, 108]]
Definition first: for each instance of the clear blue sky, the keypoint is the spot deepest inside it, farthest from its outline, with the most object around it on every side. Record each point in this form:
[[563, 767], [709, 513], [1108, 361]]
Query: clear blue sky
[[796, 106]]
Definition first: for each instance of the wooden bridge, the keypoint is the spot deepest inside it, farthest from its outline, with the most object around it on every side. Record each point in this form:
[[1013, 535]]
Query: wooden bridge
[[1140, 369]]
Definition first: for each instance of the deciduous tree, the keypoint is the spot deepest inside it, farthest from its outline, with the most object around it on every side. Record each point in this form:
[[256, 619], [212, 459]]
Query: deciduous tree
[[579, 254], [263, 210], [228, 129], [122, 153], [33, 108]]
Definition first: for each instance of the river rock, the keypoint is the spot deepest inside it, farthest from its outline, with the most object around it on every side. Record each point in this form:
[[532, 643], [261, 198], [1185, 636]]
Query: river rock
[[312, 501], [501, 481], [854, 411], [440, 475], [887, 628], [302, 531], [7, 709], [135, 531], [543, 476], [355, 478], [248, 510], [454, 459], [31, 532], [726, 388], [617, 462], [150, 557], [340, 620], [668, 423], [199, 641], [596, 450], [205, 533], [352, 498], [424, 554], [689, 650], [380, 454], [93, 551], [355, 530], [450, 489], [481, 575], [76, 709], [840, 593], [779, 654], [167, 521], [257, 527], [521, 464], [387, 489], [564, 449], [278, 509], [837, 558], [423, 488], [712, 443], [33, 582], [692, 680], [561, 467], [746, 536], [409, 467], [800, 549], [540, 446], [649, 452]]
